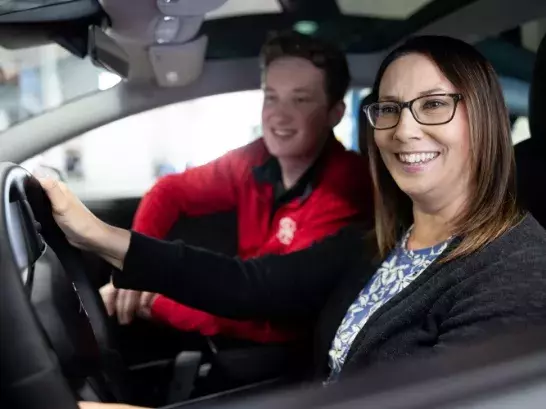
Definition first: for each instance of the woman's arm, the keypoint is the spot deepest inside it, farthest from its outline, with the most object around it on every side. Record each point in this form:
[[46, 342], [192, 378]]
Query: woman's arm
[[289, 287], [505, 296]]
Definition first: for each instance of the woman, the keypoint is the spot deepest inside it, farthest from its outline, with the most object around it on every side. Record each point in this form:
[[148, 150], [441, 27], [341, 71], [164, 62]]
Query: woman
[[454, 258]]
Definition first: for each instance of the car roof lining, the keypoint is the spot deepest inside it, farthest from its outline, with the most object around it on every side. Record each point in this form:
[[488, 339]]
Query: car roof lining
[[219, 76]]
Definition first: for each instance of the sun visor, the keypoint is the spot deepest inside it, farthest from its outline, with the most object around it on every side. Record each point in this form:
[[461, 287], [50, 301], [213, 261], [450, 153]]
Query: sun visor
[[161, 38], [162, 21], [175, 65]]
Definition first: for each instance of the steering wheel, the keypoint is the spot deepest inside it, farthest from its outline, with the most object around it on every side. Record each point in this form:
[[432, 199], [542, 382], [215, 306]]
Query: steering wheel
[[56, 346]]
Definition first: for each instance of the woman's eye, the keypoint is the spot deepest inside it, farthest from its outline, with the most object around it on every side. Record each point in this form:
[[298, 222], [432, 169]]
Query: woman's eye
[[388, 110], [302, 100], [432, 104]]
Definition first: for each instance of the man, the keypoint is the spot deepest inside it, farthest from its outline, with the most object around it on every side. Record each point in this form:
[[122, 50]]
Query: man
[[290, 188]]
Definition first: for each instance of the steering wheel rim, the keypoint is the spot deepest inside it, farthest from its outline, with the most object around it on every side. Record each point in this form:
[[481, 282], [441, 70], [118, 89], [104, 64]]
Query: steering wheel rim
[[28, 364]]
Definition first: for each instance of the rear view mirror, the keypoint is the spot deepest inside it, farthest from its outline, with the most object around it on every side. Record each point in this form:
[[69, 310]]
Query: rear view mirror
[[106, 53]]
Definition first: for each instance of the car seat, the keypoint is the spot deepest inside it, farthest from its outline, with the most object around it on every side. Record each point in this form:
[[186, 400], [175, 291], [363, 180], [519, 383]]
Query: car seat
[[531, 153]]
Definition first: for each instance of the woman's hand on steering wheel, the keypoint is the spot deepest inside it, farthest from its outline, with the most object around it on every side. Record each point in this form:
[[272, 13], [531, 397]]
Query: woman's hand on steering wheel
[[78, 224], [82, 228]]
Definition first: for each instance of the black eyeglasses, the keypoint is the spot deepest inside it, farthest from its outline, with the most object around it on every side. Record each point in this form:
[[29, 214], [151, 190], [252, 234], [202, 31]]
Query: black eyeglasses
[[435, 109]]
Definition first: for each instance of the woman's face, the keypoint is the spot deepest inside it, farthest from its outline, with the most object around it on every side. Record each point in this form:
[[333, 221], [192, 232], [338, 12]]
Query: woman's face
[[430, 163]]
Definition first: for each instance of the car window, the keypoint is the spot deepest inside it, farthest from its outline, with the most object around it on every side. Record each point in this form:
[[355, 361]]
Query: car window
[[520, 130], [125, 158], [37, 79]]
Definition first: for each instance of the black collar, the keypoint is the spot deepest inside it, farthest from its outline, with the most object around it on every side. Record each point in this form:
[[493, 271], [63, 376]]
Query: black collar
[[270, 172]]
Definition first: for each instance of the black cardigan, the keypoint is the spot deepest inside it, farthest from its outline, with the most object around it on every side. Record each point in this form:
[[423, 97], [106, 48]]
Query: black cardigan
[[491, 291]]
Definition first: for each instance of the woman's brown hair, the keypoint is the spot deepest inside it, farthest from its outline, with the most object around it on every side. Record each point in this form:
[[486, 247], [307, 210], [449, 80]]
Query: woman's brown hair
[[491, 208]]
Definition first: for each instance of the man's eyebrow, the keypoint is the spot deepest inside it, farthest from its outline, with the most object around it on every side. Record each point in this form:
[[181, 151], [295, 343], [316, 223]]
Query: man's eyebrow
[[300, 90]]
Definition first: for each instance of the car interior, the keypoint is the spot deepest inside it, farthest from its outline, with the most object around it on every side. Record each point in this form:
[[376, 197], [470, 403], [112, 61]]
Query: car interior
[[58, 344]]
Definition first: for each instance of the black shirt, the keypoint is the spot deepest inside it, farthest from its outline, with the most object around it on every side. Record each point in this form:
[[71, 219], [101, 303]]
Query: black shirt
[[270, 172], [496, 288]]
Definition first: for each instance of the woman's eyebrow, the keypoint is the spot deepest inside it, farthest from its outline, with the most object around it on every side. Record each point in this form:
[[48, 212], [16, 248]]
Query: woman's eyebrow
[[432, 91], [422, 93]]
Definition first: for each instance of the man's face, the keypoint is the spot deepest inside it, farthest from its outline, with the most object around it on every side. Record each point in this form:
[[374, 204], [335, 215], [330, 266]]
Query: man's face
[[296, 115]]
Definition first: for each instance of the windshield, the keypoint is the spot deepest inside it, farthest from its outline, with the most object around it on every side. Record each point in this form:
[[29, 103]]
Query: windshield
[[37, 79]]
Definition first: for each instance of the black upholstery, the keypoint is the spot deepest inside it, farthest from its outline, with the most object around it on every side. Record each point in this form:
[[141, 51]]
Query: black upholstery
[[531, 154]]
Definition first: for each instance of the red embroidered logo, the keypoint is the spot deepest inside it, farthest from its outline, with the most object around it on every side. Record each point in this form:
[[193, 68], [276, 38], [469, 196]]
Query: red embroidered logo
[[287, 230]]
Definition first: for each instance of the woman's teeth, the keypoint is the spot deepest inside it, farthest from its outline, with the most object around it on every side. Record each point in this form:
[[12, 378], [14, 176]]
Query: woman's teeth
[[417, 158]]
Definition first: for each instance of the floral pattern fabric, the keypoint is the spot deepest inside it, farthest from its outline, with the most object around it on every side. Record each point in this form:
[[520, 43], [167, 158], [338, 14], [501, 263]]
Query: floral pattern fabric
[[397, 271]]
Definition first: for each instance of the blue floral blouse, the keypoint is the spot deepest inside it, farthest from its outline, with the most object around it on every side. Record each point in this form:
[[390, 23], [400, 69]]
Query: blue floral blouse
[[398, 270]]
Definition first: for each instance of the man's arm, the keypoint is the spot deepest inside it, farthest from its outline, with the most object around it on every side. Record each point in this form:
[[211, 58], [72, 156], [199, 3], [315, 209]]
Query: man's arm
[[186, 318], [199, 191]]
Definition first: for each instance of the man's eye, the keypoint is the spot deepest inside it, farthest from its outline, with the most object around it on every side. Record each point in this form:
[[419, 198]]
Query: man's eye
[[301, 100], [269, 98]]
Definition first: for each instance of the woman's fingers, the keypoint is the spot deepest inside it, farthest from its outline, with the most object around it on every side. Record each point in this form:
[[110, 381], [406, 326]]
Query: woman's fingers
[[56, 193]]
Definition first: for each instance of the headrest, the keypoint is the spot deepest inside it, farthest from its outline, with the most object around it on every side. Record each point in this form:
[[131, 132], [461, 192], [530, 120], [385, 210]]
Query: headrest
[[537, 97], [363, 126]]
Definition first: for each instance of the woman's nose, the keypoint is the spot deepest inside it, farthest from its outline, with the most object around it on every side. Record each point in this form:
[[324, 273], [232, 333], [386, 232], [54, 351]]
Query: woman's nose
[[408, 128]]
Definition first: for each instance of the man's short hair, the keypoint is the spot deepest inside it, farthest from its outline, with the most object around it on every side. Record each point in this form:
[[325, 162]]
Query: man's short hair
[[320, 53]]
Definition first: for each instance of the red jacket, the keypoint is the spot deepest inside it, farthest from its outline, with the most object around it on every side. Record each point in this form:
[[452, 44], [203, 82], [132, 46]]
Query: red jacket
[[341, 194]]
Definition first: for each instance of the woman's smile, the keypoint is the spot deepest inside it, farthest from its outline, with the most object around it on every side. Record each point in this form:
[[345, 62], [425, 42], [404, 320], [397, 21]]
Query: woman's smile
[[416, 161]]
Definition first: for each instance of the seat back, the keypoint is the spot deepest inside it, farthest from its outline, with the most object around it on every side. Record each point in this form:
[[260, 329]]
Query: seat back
[[216, 232], [531, 154]]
